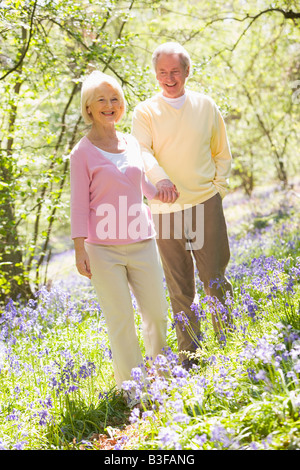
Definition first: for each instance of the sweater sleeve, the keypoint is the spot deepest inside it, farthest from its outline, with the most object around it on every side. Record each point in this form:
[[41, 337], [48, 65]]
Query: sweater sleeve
[[221, 153], [80, 196], [149, 190], [141, 130]]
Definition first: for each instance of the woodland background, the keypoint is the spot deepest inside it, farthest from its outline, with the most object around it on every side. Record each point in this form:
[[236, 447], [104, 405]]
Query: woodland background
[[246, 56]]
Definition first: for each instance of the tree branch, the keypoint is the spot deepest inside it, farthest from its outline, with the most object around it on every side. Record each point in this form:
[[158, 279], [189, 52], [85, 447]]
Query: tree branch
[[25, 50], [44, 187]]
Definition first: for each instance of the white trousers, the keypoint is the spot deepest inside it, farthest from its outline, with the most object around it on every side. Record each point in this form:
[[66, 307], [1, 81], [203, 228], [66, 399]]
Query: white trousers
[[117, 270]]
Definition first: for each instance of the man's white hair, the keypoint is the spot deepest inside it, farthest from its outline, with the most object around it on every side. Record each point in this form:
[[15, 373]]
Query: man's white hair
[[172, 48]]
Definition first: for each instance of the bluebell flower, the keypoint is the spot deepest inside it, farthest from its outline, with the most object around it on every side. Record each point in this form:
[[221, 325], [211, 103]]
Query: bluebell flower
[[43, 415], [168, 437], [137, 374], [135, 415], [118, 446], [148, 414], [128, 385], [179, 371], [254, 446], [3, 446], [14, 415], [220, 435], [261, 375], [182, 318], [162, 363], [181, 418], [200, 440], [19, 445], [198, 311]]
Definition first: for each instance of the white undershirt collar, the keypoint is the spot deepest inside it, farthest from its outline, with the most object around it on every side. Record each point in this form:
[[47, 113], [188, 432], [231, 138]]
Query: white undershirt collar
[[119, 159], [175, 102]]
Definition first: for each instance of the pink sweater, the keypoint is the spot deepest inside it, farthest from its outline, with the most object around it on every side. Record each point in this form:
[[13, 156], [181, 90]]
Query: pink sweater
[[107, 204]]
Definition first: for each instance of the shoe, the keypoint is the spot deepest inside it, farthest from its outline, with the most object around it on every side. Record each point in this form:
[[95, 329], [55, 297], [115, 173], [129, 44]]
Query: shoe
[[133, 402], [188, 364]]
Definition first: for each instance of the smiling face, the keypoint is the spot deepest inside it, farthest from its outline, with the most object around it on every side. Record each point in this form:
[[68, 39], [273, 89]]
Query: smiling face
[[106, 106], [171, 75]]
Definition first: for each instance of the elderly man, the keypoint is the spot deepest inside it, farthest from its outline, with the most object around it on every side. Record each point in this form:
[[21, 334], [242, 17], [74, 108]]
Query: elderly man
[[187, 156]]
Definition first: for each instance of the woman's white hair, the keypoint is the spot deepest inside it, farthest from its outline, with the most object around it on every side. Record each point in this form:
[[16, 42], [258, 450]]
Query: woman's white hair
[[90, 85], [172, 48]]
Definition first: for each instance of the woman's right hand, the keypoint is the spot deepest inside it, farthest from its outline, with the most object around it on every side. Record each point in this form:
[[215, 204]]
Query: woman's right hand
[[167, 191], [82, 259]]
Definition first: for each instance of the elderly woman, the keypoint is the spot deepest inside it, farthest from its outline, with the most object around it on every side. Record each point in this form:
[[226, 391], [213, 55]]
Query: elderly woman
[[112, 228]]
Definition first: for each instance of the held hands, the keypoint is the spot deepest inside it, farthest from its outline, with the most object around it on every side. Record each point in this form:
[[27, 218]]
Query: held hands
[[167, 191]]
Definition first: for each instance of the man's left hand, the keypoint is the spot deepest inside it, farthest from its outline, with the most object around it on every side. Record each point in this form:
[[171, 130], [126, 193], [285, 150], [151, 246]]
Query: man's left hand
[[167, 191]]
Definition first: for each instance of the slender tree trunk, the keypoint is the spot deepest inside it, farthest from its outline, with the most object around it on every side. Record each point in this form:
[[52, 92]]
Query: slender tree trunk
[[11, 254]]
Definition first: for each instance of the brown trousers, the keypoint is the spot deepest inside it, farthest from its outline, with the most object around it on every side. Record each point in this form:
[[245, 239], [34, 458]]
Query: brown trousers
[[199, 235]]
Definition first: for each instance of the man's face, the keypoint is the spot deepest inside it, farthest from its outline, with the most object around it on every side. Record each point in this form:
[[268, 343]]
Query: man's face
[[171, 75]]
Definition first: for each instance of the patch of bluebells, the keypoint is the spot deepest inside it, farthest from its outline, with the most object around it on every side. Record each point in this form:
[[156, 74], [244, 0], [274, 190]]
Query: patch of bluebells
[[281, 237], [259, 281], [273, 352], [222, 438], [200, 440], [68, 376], [27, 345], [49, 309], [172, 396], [267, 279], [168, 438]]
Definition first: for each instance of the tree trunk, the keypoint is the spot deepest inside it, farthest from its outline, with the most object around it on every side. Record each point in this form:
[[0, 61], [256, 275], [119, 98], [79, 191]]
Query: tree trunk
[[15, 281]]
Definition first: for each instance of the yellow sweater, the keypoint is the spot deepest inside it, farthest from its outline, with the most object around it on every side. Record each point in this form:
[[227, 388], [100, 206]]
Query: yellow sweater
[[187, 145]]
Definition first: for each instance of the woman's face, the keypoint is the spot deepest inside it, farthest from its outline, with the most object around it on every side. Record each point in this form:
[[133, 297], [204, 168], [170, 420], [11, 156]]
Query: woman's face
[[106, 106]]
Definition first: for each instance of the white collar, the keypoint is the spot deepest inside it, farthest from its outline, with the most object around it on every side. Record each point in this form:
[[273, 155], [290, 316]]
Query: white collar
[[175, 102]]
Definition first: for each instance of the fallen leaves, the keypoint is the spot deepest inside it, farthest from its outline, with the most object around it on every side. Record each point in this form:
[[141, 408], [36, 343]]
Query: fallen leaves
[[113, 437]]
